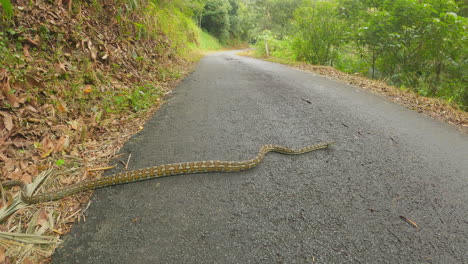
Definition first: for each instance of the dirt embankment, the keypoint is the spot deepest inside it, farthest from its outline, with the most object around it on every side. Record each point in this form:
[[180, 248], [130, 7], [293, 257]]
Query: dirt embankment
[[76, 80]]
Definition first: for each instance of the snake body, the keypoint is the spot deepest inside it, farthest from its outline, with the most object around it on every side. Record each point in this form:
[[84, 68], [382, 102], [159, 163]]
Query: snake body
[[161, 171]]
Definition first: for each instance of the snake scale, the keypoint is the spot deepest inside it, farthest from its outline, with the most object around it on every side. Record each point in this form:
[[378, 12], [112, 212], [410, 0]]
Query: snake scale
[[160, 171]]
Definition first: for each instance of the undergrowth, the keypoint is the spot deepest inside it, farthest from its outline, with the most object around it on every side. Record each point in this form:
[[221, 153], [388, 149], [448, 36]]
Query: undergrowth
[[452, 90], [208, 42]]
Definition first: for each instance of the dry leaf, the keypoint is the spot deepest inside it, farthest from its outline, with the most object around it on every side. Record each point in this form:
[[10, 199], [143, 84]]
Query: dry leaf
[[73, 124], [47, 153], [87, 89], [4, 82], [7, 121], [26, 50], [12, 100], [23, 165], [30, 108], [62, 144], [3, 157], [61, 107], [16, 175], [9, 165], [47, 147], [34, 42], [2, 254], [21, 142], [28, 261], [26, 178], [43, 217]]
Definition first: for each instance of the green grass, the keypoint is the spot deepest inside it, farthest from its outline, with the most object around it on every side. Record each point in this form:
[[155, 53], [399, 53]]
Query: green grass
[[208, 42], [7, 8]]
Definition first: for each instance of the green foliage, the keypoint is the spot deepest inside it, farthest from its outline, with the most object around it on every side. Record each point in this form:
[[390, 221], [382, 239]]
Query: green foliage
[[280, 48], [266, 37], [7, 8], [11, 52], [227, 20], [371, 38], [216, 19], [135, 100], [273, 15], [319, 32], [235, 25], [350, 61], [420, 44], [208, 42], [174, 19]]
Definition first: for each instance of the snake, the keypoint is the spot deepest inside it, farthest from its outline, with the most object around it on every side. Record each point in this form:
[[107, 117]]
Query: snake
[[159, 171]]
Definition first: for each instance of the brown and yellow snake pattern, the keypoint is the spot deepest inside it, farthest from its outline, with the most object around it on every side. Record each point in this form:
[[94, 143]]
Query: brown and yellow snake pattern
[[161, 171]]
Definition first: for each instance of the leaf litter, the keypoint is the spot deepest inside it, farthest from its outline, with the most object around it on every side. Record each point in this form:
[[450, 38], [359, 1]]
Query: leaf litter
[[54, 127]]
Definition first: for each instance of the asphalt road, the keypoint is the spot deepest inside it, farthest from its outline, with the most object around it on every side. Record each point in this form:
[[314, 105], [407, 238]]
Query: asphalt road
[[341, 205]]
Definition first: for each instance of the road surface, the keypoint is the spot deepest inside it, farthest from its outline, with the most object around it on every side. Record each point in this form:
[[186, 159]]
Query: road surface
[[342, 205]]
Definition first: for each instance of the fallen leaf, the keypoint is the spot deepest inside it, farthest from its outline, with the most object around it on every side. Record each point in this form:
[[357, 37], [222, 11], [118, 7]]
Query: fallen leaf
[[21, 142], [2, 254], [73, 124], [23, 165], [62, 144], [43, 218], [30, 108], [87, 89], [28, 261], [46, 147], [7, 121], [46, 153], [9, 165], [16, 175], [12, 100], [26, 178], [3, 157], [26, 50], [32, 169], [62, 107], [34, 42]]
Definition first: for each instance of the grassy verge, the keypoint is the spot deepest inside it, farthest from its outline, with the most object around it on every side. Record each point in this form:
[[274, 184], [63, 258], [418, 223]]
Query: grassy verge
[[208, 42], [434, 107]]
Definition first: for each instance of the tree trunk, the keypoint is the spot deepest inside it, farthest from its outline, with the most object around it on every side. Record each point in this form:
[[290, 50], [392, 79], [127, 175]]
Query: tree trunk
[[373, 63], [267, 52]]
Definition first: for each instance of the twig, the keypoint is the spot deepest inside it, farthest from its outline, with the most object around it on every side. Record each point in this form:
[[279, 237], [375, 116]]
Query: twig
[[87, 206], [128, 161], [103, 168], [409, 221], [118, 155]]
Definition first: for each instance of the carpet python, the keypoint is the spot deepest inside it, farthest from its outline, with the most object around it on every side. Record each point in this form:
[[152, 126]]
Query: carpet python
[[160, 171]]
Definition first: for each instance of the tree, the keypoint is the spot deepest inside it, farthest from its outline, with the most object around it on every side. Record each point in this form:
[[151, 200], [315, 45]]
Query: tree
[[274, 15], [215, 19], [372, 39], [319, 32]]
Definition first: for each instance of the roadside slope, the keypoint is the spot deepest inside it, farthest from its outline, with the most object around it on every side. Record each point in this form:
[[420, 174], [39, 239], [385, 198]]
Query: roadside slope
[[77, 78]]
